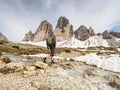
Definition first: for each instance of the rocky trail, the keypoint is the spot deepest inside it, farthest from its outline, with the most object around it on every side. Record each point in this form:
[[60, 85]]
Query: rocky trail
[[22, 68], [64, 75]]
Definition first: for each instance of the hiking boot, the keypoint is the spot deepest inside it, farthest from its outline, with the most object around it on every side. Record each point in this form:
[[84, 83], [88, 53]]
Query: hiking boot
[[52, 62], [44, 59]]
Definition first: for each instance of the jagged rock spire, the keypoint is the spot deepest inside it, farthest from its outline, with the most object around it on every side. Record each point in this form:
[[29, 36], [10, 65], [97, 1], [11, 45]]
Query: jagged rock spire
[[43, 31], [28, 36], [63, 29]]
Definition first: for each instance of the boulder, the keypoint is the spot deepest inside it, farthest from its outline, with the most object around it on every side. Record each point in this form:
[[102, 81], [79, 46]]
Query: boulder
[[5, 59], [12, 67], [43, 31], [63, 29], [30, 68], [81, 33], [28, 36], [41, 64]]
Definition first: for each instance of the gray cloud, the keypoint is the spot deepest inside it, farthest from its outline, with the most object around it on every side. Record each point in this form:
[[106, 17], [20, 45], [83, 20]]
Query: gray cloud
[[19, 16]]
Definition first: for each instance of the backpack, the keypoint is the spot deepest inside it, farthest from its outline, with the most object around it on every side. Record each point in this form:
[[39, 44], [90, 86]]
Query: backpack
[[49, 40]]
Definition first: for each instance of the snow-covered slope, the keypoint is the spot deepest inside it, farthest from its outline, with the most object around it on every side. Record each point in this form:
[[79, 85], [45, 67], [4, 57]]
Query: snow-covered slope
[[111, 63], [74, 43], [91, 42]]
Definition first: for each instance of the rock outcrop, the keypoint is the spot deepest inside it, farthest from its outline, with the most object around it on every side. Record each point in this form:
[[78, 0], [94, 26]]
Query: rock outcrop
[[63, 29], [106, 35], [41, 64], [3, 38], [43, 31], [12, 67], [28, 36], [115, 34], [82, 33], [91, 31]]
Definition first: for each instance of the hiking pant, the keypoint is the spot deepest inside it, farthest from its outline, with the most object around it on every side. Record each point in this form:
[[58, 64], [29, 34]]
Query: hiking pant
[[52, 50]]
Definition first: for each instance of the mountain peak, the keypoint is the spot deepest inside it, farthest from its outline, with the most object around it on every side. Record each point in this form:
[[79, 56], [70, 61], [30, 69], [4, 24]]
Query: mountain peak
[[3, 38], [43, 31], [106, 35], [63, 29], [28, 36], [91, 31], [81, 33]]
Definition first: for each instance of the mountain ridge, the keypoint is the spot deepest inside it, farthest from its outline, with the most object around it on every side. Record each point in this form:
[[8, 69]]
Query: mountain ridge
[[65, 31]]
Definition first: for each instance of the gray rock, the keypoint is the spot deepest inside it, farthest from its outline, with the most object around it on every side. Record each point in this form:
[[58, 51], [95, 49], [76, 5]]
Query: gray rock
[[43, 31], [5, 59], [106, 35], [81, 33], [63, 29], [91, 31], [28, 36]]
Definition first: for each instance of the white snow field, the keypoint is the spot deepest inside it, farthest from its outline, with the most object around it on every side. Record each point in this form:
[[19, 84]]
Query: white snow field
[[75, 43], [111, 62]]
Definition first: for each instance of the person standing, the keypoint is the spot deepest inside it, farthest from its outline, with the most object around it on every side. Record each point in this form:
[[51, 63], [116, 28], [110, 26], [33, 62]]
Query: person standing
[[51, 45]]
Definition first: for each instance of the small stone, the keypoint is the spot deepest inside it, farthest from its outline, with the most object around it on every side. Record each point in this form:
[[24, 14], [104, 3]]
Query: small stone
[[42, 70], [5, 59], [1, 64], [41, 64], [30, 68], [30, 73]]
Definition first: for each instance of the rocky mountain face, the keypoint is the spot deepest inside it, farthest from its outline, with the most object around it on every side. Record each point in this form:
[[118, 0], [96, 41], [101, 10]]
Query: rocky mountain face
[[3, 38], [81, 33], [63, 29], [43, 31], [106, 35], [28, 36], [91, 31], [115, 34]]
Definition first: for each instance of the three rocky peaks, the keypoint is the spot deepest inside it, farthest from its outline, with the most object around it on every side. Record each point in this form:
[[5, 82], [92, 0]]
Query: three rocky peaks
[[64, 30]]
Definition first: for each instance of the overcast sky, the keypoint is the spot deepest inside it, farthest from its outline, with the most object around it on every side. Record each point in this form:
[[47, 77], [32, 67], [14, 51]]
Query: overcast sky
[[17, 17]]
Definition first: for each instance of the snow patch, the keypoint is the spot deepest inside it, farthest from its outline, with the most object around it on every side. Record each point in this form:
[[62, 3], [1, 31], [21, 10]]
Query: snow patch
[[44, 55], [91, 42], [111, 63]]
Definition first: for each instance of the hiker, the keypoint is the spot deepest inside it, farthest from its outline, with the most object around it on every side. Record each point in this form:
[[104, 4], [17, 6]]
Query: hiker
[[51, 44]]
